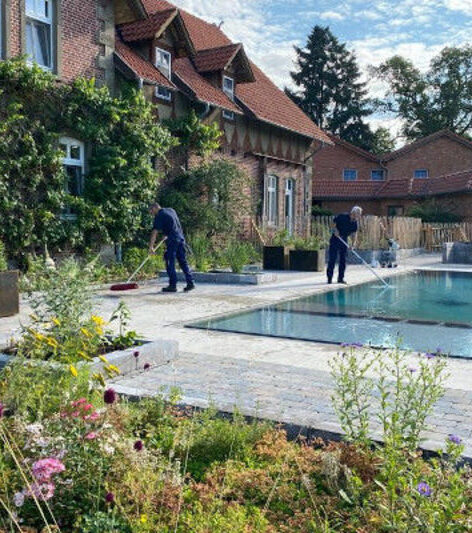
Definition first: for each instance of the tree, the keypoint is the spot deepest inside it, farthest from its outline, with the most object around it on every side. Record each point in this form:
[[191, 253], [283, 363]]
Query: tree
[[440, 98], [329, 88], [382, 141]]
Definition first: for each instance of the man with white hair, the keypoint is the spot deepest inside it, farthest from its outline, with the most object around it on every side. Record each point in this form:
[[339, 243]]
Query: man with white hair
[[344, 225]]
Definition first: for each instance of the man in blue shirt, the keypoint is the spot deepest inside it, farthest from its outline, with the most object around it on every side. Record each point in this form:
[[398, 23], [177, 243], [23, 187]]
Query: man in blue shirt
[[344, 225], [167, 222]]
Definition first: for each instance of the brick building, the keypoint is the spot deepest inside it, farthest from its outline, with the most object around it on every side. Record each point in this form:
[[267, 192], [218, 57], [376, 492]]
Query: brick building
[[436, 167], [184, 63]]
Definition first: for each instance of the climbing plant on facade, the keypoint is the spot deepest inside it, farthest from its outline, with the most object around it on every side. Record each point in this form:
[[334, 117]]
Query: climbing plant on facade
[[122, 140]]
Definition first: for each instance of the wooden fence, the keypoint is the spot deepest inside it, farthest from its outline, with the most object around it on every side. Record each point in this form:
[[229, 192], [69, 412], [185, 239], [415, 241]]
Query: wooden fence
[[436, 234], [408, 232], [405, 230]]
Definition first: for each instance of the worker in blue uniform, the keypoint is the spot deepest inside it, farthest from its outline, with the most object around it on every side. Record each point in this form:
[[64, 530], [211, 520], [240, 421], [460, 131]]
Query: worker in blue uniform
[[344, 225], [166, 221]]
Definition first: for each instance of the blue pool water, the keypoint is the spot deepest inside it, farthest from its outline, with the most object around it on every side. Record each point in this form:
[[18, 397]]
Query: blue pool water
[[422, 311]]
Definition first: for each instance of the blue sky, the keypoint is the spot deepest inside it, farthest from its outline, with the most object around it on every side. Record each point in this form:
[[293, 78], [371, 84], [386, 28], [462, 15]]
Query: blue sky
[[375, 30]]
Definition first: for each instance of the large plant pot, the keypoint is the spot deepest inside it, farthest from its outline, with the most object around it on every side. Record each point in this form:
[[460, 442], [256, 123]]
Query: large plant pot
[[9, 297], [307, 260], [276, 258]]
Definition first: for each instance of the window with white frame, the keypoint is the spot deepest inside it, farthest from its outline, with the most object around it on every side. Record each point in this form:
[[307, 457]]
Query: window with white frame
[[163, 93], [421, 173], [39, 32], [164, 62], [377, 175], [271, 200], [228, 115], [74, 163], [228, 87], [349, 174]]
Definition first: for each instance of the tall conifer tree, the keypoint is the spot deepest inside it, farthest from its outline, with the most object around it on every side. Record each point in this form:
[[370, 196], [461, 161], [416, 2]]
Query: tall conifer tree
[[329, 88]]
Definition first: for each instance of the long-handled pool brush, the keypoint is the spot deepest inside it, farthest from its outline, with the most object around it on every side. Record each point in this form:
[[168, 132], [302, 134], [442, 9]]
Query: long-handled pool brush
[[129, 285]]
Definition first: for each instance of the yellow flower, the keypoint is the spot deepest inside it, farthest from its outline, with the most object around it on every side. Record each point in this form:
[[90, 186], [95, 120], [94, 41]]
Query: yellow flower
[[56, 321], [39, 336], [73, 370], [99, 330], [98, 320], [85, 332], [143, 519], [52, 342], [84, 356], [99, 378], [114, 369], [103, 359]]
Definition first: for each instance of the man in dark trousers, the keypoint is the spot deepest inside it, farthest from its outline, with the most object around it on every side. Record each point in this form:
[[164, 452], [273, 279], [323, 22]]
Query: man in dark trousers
[[167, 222], [344, 225]]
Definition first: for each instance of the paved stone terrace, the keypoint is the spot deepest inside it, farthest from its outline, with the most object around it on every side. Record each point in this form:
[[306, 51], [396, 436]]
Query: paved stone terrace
[[279, 379]]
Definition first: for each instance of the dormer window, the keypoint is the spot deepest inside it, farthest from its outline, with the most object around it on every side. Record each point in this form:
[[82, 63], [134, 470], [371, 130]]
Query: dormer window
[[39, 14], [164, 62], [228, 87]]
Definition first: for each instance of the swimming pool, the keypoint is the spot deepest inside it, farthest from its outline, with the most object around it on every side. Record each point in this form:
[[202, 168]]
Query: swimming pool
[[423, 311]]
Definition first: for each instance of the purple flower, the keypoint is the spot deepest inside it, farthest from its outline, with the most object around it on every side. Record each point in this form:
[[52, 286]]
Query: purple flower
[[430, 355], [424, 489], [109, 396], [438, 350], [147, 366], [138, 445], [412, 369], [136, 354], [455, 439], [109, 497], [44, 469]]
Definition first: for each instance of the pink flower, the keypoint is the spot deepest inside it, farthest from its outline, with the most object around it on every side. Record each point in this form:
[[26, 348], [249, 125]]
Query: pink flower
[[92, 416], [2, 409], [42, 491], [109, 497], [78, 402], [75, 414], [92, 435], [87, 407], [44, 469]]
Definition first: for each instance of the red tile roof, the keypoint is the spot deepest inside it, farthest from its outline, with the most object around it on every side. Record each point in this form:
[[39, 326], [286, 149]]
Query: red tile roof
[[147, 28], [141, 67], [215, 58], [425, 140], [200, 88], [458, 182], [262, 98]]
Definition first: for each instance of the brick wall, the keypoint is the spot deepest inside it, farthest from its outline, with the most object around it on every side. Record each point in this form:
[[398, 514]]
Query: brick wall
[[441, 156], [84, 42], [329, 163], [459, 204]]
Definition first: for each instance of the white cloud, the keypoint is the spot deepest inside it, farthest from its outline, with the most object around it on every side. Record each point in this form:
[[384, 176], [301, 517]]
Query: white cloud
[[463, 6], [331, 15]]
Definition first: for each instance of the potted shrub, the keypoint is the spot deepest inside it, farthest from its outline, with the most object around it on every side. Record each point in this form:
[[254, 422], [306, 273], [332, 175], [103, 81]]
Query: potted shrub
[[308, 255], [9, 297], [276, 255]]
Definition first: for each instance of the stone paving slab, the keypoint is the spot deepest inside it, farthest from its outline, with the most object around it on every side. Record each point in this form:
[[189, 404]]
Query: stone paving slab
[[280, 393]]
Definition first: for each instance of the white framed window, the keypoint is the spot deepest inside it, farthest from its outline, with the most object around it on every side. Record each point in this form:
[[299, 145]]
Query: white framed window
[[39, 32], [421, 173], [271, 200], [228, 115], [164, 62], [74, 165], [163, 93], [377, 175], [349, 174], [228, 87]]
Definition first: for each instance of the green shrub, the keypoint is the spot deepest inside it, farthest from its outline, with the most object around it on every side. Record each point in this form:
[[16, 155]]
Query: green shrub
[[133, 257], [433, 211], [311, 243], [237, 254], [201, 255], [3, 258]]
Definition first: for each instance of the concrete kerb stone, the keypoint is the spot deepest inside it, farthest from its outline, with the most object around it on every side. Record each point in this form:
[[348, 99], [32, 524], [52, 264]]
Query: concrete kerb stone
[[155, 353]]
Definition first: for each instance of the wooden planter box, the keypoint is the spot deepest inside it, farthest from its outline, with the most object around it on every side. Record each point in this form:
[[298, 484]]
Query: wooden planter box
[[9, 296], [276, 258], [307, 260]]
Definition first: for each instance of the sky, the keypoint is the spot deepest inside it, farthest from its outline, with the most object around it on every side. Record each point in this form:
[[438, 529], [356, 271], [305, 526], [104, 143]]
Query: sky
[[375, 30]]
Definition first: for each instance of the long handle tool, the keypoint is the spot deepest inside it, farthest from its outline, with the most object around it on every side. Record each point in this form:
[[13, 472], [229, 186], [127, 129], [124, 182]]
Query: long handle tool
[[364, 262], [127, 286]]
